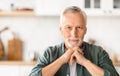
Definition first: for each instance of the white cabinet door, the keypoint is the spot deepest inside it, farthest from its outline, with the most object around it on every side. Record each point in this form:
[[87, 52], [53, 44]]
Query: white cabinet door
[[102, 7], [54, 7], [25, 70], [79, 3], [106, 4], [6, 70], [116, 7], [93, 7], [116, 4], [92, 4], [49, 7], [110, 7]]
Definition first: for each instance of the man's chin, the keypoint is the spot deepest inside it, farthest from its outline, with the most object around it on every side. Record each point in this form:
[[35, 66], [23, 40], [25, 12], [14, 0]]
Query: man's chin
[[71, 45]]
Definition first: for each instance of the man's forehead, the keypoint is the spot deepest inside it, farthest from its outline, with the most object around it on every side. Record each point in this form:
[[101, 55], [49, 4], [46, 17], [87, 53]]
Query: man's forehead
[[71, 25]]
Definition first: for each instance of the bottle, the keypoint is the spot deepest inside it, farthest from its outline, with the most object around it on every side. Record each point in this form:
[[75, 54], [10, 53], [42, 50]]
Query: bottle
[[12, 7]]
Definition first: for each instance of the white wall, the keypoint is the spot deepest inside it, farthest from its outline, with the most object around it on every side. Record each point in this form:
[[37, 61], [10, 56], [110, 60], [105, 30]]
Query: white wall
[[36, 32], [40, 32], [106, 31], [6, 4]]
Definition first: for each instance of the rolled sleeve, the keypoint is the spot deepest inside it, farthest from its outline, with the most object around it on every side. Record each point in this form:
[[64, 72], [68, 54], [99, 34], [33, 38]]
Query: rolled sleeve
[[42, 62], [36, 71], [106, 63]]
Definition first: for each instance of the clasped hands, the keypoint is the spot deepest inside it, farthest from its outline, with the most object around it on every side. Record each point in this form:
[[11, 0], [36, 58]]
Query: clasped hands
[[74, 55]]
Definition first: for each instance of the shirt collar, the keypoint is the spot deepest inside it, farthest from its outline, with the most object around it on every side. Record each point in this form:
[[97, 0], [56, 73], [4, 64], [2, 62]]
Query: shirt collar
[[63, 46]]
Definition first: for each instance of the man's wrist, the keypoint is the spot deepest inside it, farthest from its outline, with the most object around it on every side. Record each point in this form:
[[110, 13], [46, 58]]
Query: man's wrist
[[62, 59], [86, 62]]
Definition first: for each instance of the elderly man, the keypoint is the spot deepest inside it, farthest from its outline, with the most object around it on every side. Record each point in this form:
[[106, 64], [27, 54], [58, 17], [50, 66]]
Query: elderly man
[[74, 57]]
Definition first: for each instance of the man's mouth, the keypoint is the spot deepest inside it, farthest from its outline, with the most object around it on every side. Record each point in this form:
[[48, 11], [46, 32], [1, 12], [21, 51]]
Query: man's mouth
[[74, 40]]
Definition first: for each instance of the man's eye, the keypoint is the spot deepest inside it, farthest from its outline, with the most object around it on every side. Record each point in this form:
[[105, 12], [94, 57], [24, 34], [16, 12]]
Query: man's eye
[[69, 27], [79, 27]]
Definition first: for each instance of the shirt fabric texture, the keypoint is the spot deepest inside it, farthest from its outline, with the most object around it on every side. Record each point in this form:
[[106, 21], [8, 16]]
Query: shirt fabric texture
[[95, 54]]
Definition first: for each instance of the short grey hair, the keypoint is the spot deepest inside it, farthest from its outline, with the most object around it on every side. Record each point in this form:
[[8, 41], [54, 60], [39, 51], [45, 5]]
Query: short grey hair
[[73, 9]]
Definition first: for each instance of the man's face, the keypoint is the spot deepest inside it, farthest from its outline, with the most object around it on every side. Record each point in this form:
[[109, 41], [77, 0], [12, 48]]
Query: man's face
[[73, 29]]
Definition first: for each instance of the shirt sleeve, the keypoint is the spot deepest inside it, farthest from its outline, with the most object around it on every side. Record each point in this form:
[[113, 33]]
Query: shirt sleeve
[[42, 62], [106, 63]]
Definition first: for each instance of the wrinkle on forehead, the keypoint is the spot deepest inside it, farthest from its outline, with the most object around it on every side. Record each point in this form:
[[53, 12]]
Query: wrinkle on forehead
[[76, 19]]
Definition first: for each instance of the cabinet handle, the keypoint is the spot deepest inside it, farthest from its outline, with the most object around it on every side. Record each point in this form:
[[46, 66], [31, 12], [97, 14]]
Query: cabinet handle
[[110, 11]]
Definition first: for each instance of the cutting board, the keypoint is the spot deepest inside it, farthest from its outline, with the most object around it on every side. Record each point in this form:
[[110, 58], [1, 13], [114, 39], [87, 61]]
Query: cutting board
[[14, 49], [1, 50]]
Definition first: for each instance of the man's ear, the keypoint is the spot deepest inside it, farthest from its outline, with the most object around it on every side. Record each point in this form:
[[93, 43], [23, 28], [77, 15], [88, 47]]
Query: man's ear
[[60, 30], [86, 30]]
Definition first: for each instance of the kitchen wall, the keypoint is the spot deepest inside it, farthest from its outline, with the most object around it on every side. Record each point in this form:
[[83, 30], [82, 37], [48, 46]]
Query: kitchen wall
[[39, 32], [106, 31], [36, 32], [6, 4]]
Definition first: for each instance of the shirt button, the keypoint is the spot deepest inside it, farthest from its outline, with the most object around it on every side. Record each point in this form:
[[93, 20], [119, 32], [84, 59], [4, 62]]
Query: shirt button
[[67, 74]]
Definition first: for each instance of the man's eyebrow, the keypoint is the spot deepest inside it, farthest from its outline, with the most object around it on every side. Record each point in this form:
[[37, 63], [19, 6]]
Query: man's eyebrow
[[66, 25], [80, 25]]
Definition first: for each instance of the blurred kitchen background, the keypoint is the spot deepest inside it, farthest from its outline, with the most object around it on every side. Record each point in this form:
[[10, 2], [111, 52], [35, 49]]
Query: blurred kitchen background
[[27, 27]]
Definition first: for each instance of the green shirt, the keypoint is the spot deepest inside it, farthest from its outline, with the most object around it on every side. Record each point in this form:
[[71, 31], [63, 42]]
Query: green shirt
[[94, 53]]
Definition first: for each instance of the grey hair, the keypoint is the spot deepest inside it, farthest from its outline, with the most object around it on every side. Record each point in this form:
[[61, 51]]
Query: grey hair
[[73, 9]]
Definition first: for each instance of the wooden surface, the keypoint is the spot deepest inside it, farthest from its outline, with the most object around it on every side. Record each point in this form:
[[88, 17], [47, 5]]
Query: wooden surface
[[17, 13], [17, 62], [14, 49], [117, 64], [29, 63]]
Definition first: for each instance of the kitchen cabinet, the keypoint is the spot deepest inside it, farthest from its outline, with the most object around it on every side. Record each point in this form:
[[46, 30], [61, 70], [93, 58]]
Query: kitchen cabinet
[[7, 70], [21, 68], [91, 7], [25, 70], [116, 7], [111, 7], [15, 68], [102, 7], [54, 7]]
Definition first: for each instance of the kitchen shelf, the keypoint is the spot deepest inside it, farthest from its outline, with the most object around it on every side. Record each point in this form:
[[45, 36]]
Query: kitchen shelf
[[17, 13], [17, 63]]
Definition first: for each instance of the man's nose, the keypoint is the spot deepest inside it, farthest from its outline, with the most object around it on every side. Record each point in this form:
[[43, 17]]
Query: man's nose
[[74, 32]]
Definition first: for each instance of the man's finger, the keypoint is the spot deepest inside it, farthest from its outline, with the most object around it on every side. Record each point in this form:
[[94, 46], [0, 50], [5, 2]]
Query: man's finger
[[80, 51], [72, 59]]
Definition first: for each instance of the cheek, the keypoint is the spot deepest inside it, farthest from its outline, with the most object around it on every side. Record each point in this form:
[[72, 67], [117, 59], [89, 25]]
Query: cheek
[[82, 34], [66, 34]]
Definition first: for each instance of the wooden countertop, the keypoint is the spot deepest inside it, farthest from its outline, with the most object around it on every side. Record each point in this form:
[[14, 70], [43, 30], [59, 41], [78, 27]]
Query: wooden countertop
[[32, 63], [17, 62], [116, 64]]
